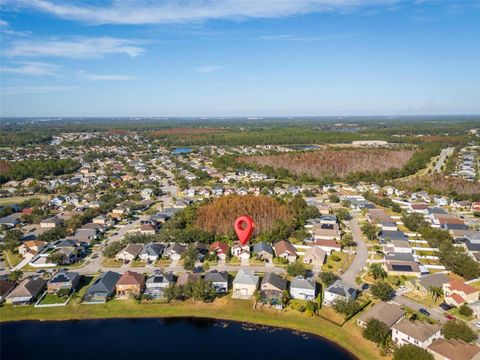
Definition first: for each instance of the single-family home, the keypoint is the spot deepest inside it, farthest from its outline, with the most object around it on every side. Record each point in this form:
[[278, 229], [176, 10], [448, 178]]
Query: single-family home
[[188, 278], [129, 285], [31, 248], [302, 288], [157, 283], [129, 253], [339, 290], [245, 284], [457, 293], [151, 252], [51, 222], [219, 280], [27, 291], [416, 332], [175, 251], [452, 349], [240, 251], [263, 251], [63, 279], [5, 288], [328, 246], [220, 249], [315, 256], [423, 284], [399, 268], [148, 229], [102, 288], [286, 250], [389, 314], [272, 288]]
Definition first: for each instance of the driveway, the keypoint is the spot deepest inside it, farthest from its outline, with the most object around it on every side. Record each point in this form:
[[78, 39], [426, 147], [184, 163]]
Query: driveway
[[361, 255], [435, 313]]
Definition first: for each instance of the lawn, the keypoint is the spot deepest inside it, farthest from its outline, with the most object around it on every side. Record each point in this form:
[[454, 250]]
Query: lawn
[[336, 266], [50, 299], [112, 263], [349, 336], [455, 312], [12, 259], [19, 199]]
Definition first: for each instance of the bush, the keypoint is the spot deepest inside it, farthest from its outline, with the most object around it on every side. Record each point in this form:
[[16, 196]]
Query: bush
[[296, 268], [383, 291], [334, 257], [327, 278], [465, 311], [376, 331], [411, 352], [63, 293]]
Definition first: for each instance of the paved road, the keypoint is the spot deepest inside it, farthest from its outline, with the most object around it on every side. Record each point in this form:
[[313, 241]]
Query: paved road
[[361, 256], [436, 314], [441, 160]]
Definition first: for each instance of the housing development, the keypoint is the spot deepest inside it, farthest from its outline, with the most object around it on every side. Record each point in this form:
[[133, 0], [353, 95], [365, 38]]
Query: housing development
[[383, 241]]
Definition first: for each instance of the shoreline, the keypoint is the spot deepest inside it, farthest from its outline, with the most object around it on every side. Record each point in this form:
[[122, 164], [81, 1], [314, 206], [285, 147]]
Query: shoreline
[[200, 318], [348, 337]]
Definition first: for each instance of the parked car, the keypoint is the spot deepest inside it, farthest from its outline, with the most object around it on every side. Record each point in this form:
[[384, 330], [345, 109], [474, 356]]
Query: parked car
[[477, 324], [402, 287], [449, 316], [445, 306], [365, 286], [424, 312]]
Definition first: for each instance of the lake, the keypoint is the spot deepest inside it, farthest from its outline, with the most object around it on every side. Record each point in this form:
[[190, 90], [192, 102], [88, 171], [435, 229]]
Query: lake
[[179, 151], [199, 339]]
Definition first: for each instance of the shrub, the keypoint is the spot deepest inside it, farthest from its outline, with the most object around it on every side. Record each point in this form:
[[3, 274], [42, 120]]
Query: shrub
[[334, 257], [465, 310], [376, 331], [411, 352], [296, 268], [458, 330]]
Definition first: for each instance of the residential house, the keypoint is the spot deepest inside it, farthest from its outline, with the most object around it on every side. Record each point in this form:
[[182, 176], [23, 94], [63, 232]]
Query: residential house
[[272, 288], [240, 251], [452, 349], [417, 333], [148, 229], [315, 256], [339, 290], [151, 252], [328, 246], [263, 251], [219, 280], [188, 278], [457, 293], [102, 289], [5, 288], [63, 279], [220, 249], [175, 251], [245, 284], [130, 284], [10, 221], [285, 249], [399, 268], [129, 253], [157, 283], [31, 248], [389, 314], [27, 291], [302, 288], [51, 222], [422, 285]]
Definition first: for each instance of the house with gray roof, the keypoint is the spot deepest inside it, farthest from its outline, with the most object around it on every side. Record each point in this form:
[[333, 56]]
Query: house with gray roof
[[245, 284], [102, 289], [151, 252], [302, 288], [11, 220], [175, 251], [339, 290], [389, 314], [63, 279], [422, 285], [219, 280], [157, 283], [272, 288], [263, 251], [27, 291], [417, 333]]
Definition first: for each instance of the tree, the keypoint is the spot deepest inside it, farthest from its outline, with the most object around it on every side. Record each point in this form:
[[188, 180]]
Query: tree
[[57, 258], [377, 272], [436, 292], [382, 290], [311, 307], [285, 298], [347, 240], [411, 352], [465, 310], [12, 238], [327, 278], [370, 231], [342, 214], [15, 276], [458, 330], [376, 331], [296, 268], [414, 221], [112, 249], [348, 308]]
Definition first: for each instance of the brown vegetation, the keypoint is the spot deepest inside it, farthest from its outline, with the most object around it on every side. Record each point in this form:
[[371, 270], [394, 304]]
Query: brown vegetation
[[440, 184], [184, 131], [338, 163], [219, 216]]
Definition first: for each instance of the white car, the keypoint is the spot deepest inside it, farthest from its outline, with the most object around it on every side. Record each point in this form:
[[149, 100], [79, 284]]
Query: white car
[[402, 287], [477, 324]]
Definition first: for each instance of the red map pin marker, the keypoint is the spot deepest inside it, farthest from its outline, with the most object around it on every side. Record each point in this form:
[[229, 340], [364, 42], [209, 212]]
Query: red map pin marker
[[244, 228]]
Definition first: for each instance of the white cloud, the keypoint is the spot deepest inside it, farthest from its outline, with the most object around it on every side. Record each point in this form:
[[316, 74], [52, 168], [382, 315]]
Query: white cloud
[[5, 29], [158, 12], [302, 38], [16, 90], [103, 77], [208, 68], [78, 48], [31, 68]]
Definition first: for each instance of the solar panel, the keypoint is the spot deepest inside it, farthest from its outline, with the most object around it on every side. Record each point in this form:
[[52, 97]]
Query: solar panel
[[402, 268]]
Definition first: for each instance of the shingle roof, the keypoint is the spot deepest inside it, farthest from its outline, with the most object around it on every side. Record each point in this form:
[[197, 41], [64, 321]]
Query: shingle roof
[[246, 277], [299, 282], [416, 329], [454, 349], [105, 282], [275, 280], [216, 276], [385, 312]]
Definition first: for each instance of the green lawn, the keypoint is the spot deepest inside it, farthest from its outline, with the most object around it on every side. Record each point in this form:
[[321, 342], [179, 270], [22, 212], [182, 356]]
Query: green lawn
[[19, 199], [349, 336], [335, 266], [50, 299], [111, 263], [12, 259]]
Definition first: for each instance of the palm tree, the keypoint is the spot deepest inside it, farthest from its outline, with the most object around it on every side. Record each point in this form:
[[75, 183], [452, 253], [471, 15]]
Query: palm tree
[[436, 292], [377, 271], [15, 276]]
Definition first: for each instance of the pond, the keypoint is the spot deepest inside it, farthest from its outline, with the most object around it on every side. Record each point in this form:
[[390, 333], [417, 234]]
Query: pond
[[179, 151], [199, 339]]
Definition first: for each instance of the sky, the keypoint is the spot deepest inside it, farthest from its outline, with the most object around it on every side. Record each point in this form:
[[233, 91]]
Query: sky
[[239, 57]]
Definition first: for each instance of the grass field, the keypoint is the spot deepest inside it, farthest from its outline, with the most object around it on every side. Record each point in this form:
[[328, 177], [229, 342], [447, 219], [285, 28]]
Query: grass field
[[19, 199], [349, 336]]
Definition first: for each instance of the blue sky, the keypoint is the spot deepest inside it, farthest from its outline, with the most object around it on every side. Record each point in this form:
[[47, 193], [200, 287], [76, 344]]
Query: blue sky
[[239, 58]]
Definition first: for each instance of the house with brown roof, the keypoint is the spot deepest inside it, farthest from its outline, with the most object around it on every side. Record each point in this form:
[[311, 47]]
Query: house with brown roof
[[315, 256], [188, 278], [31, 248], [27, 291], [328, 246], [286, 250], [5, 288], [129, 285], [220, 249], [129, 253], [422, 285], [452, 349], [148, 229], [417, 333], [389, 314], [457, 293]]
